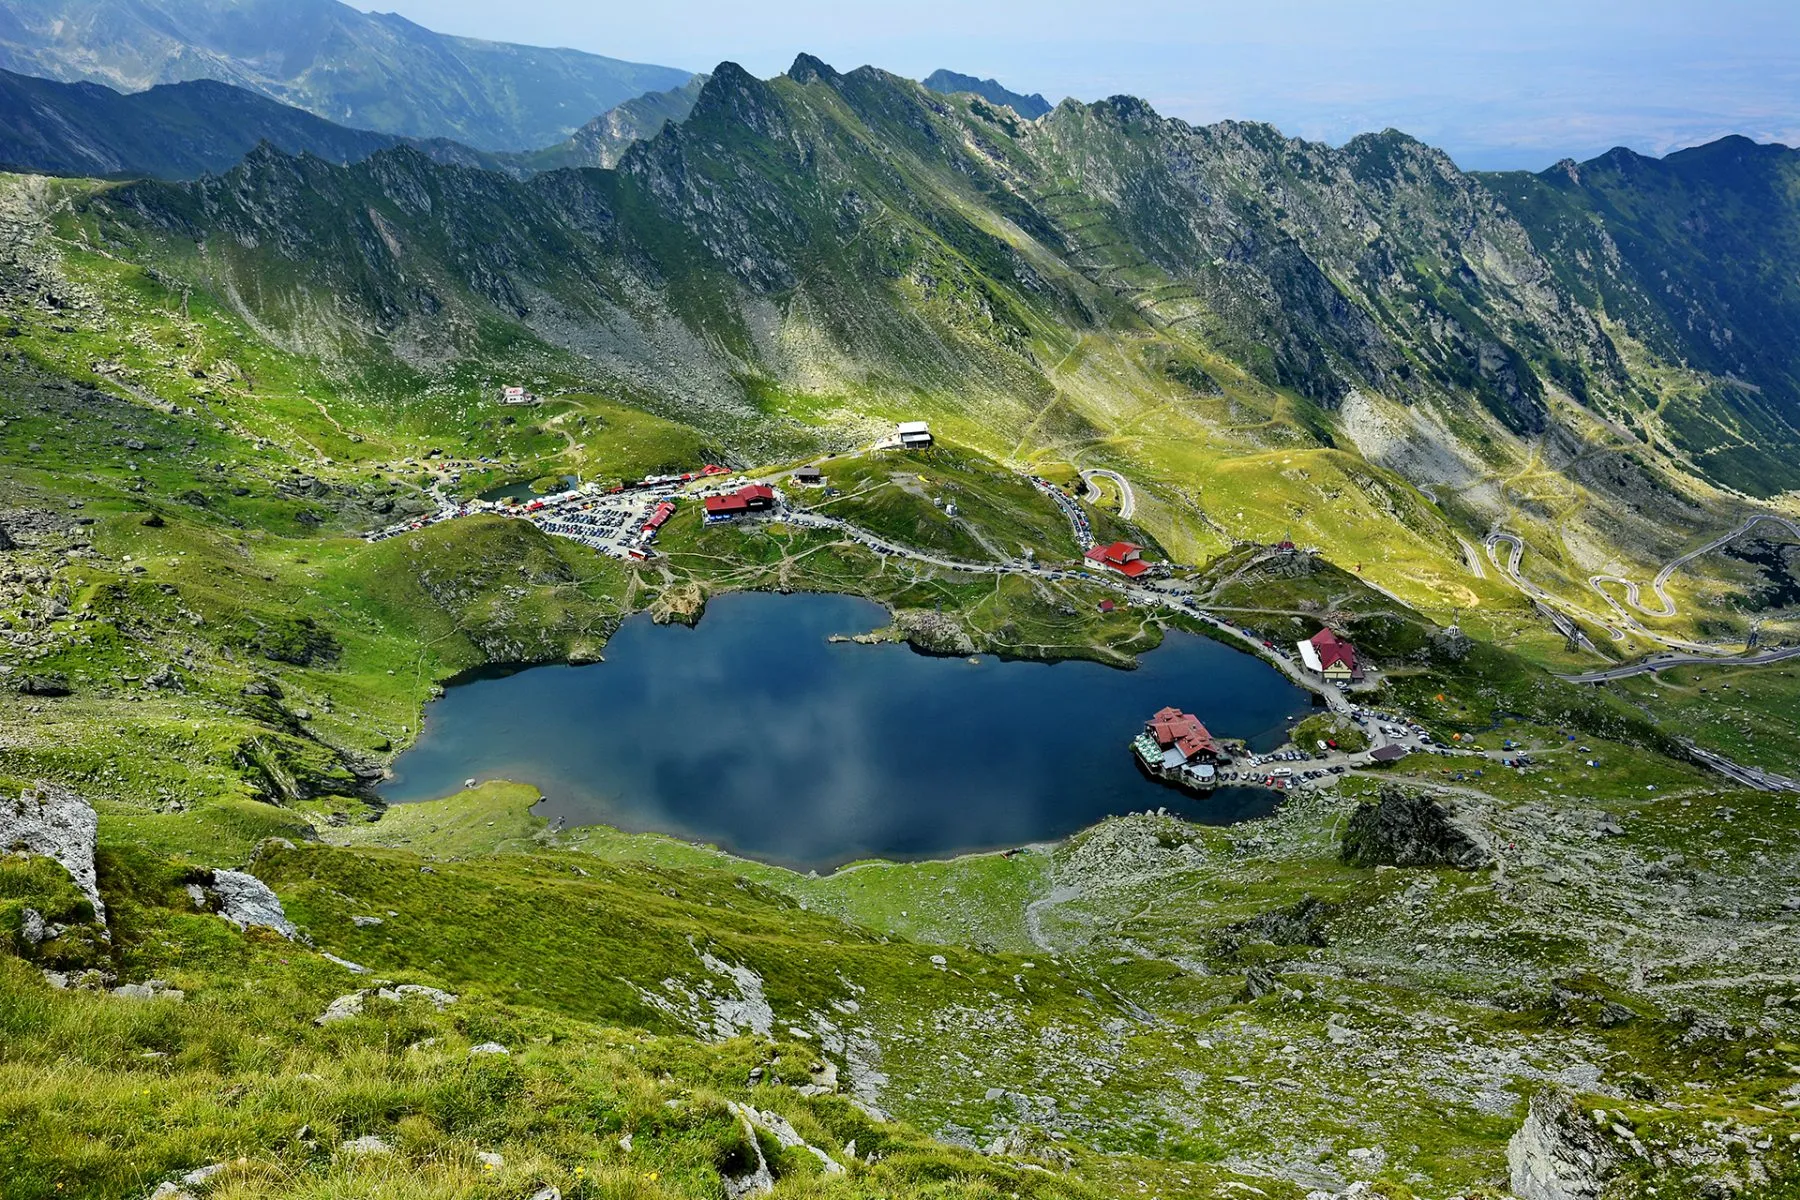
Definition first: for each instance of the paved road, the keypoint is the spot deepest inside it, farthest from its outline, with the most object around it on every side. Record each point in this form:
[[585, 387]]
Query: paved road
[[1127, 498], [1336, 700], [1661, 662], [1626, 621], [1659, 584], [1473, 557], [1752, 777]]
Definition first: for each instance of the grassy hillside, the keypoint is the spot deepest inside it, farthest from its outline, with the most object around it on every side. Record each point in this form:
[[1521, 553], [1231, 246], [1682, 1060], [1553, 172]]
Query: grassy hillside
[[210, 392]]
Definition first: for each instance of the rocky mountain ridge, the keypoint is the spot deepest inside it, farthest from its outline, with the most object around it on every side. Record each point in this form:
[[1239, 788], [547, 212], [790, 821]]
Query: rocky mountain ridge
[[372, 70], [1030, 107], [877, 222]]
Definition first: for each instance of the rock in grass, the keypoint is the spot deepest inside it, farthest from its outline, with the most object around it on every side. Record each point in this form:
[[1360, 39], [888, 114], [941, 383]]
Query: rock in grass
[[351, 1005], [55, 822], [368, 1144], [1411, 829], [1558, 1154], [150, 989], [200, 1175], [488, 1048], [247, 902], [50, 684]]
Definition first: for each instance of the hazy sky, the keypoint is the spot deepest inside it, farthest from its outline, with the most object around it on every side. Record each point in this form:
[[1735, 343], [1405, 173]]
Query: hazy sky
[[1498, 83]]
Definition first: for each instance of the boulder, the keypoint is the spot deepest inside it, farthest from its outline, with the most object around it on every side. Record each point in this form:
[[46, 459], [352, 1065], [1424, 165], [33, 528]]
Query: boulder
[[6, 541], [351, 1005], [1411, 829], [368, 1144], [150, 989], [247, 902], [785, 1135], [52, 683], [1558, 1153], [55, 822]]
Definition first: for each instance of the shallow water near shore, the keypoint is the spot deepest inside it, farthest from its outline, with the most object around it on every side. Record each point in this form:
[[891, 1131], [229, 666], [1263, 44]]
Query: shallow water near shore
[[753, 732]]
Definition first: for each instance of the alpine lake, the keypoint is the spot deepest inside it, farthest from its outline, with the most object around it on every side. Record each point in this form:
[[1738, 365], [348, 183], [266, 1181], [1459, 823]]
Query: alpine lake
[[754, 732]]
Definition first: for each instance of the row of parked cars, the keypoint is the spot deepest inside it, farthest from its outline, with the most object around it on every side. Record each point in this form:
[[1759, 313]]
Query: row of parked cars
[[1280, 777]]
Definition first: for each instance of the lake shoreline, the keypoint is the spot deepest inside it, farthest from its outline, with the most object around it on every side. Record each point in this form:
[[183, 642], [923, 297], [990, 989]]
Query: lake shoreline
[[749, 733]]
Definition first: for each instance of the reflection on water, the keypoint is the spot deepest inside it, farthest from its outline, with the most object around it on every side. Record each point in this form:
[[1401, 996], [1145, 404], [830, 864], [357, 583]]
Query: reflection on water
[[522, 490], [752, 732]]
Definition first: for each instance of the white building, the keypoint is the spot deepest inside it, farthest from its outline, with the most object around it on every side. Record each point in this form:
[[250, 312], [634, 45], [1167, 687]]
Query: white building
[[517, 395], [914, 435]]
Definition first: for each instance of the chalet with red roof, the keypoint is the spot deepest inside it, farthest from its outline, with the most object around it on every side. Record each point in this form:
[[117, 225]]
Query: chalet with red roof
[[1183, 734], [1177, 747], [757, 497], [1330, 657], [1124, 557]]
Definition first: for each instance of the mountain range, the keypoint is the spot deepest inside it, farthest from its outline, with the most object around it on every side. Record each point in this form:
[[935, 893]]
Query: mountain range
[[860, 235], [367, 70], [289, 418]]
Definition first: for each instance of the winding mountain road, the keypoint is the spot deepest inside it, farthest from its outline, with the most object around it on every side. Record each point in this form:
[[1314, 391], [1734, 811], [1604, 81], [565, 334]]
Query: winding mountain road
[[1662, 662], [1660, 583], [1127, 498], [1625, 613]]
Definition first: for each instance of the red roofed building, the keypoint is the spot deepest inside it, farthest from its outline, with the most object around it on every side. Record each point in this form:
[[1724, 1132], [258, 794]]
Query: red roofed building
[[1182, 733], [756, 497], [1330, 656], [724, 508], [1123, 557]]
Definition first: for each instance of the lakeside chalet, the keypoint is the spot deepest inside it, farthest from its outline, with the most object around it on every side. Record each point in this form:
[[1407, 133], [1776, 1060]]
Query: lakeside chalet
[[1176, 747], [1330, 657]]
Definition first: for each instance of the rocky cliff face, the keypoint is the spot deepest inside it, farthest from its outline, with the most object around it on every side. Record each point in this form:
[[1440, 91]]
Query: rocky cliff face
[[1693, 255], [604, 140]]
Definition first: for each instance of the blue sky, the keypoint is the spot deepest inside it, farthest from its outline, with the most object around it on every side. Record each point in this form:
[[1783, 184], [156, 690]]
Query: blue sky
[[1519, 83]]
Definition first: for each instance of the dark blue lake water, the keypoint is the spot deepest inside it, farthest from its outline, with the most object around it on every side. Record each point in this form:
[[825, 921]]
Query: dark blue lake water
[[522, 490], [754, 733]]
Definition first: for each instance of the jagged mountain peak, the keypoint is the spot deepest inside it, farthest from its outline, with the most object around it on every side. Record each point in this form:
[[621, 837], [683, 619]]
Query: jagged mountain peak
[[735, 95], [808, 69], [1030, 107]]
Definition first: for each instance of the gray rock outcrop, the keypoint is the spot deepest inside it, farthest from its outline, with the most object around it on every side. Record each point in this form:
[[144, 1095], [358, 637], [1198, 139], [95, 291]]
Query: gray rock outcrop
[[244, 900], [1558, 1154], [56, 823], [760, 1180], [347, 1006], [150, 989], [1411, 829], [53, 683]]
